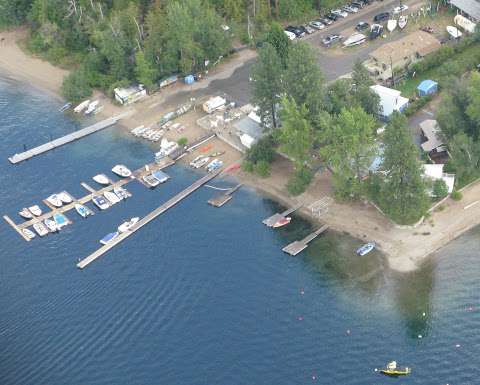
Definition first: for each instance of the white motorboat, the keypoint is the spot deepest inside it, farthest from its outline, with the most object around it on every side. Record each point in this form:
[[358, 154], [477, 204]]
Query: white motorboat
[[82, 210], [54, 200], [150, 180], [391, 25], [111, 197], [366, 248], [64, 197], [91, 107], [35, 210], [100, 202], [25, 213], [101, 179], [402, 21], [28, 233], [200, 161], [40, 229], [355, 39], [454, 32], [120, 192], [122, 171], [51, 225], [81, 106], [125, 226]]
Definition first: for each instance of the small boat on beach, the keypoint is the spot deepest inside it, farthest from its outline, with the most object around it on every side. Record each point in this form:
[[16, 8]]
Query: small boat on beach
[[101, 179], [125, 226], [111, 197], [454, 32], [40, 229], [64, 197], [25, 213], [122, 171], [366, 248], [81, 106], [282, 222], [391, 25], [393, 370], [28, 233], [35, 210], [51, 225], [65, 107], [120, 192], [100, 202], [218, 153], [109, 237], [355, 39], [91, 107], [199, 161], [402, 21], [82, 210], [54, 200], [214, 164], [60, 220], [150, 180]]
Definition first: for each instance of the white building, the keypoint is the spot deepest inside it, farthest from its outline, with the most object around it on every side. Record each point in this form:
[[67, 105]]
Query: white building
[[390, 100], [249, 129], [435, 171], [130, 94]]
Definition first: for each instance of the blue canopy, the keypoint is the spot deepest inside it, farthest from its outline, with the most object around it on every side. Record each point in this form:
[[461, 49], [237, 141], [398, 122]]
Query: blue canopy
[[427, 87], [189, 79]]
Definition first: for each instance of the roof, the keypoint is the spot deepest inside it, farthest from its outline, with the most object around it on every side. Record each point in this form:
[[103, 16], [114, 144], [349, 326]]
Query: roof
[[426, 85], [390, 99], [431, 131], [125, 92], [435, 171], [418, 42], [470, 7], [250, 127]]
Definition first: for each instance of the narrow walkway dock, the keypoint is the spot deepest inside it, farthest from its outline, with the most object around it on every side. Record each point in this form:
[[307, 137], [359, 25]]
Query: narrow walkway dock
[[220, 199], [148, 218], [17, 158], [296, 247], [276, 217]]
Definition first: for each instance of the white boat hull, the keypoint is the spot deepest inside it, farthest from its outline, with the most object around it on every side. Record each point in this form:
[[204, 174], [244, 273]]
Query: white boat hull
[[391, 25]]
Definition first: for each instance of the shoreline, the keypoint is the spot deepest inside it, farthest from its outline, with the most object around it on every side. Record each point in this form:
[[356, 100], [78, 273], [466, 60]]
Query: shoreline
[[405, 249]]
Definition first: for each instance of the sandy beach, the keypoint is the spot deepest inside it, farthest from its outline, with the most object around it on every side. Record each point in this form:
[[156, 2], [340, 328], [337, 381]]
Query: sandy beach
[[405, 248]]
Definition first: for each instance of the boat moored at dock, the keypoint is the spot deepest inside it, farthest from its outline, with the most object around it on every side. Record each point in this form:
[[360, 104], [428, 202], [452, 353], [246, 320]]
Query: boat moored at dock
[[100, 202], [60, 219], [35, 210], [82, 210], [109, 237], [150, 180], [111, 197], [28, 233], [282, 222], [161, 176], [120, 192], [101, 179], [40, 229], [125, 226], [25, 213], [51, 225], [54, 200], [64, 197], [121, 171]]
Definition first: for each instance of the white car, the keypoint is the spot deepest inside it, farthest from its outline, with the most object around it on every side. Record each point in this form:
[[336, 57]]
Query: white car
[[339, 12], [400, 9], [350, 9], [316, 24], [290, 35]]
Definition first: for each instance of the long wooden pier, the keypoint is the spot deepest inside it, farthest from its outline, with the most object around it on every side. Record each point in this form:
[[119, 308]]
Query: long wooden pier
[[148, 218], [278, 216], [296, 247], [17, 158], [220, 199]]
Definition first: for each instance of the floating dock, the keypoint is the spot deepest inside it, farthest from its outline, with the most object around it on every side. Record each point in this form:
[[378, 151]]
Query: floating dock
[[297, 247], [154, 214], [277, 217], [17, 158], [221, 199]]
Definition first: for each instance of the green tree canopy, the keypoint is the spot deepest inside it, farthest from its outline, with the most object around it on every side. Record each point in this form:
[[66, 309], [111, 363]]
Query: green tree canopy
[[279, 40], [465, 157]]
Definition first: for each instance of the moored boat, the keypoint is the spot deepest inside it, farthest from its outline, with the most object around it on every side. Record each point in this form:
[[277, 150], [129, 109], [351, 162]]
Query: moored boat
[[122, 171], [402, 21], [64, 197], [111, 197], [100, 202], [454, 32], [393, 370], [101, 179], [109, 237], [391, 25], [366, 248], [125, 226], [40, 229], [82, 210], [161, 176], [81, 106], [60, 220], [150, 180], [28, 233], [282, 222], [120, 192], [91, 107], [51, 225], [35, 210], [54, 200], [25, 213]]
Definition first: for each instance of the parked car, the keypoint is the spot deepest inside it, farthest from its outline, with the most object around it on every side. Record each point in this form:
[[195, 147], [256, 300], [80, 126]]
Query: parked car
[[339, 12], [302, 29], [350, 9], [332, 17], [384, 16], [331, 39], [298, 32], [317, 24], [325, 21], [290, 35], [357, 4], [375, 31], [400, 9], [309, 29], [362, 26]]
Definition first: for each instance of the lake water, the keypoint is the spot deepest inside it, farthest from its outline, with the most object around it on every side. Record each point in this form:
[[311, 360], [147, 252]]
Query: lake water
[[205, 296]]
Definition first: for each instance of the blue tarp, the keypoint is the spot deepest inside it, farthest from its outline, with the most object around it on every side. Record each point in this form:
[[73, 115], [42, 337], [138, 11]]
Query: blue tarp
[[427, 87], [189, 79]]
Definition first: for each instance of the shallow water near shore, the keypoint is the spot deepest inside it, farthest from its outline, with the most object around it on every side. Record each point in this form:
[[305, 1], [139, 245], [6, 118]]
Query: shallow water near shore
[[203, 295]]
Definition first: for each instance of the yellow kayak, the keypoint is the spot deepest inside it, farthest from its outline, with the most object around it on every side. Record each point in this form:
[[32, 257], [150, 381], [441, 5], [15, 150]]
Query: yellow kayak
[[393, 370]]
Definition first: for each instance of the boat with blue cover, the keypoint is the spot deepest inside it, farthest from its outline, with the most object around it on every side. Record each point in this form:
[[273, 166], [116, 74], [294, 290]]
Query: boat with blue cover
[[109, 237], [60, 220], [100, 202], [82, 210], [161, 176]]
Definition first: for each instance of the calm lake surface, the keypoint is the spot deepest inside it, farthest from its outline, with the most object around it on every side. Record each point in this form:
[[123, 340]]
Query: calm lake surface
[[205, 296]]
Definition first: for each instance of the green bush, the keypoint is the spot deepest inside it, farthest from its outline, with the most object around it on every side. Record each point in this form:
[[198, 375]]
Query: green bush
[[75, 86], [456, 195], [262, 168], [299, 181], [247, 166], [182, 142], [440, 189], [262, 150], [417, 104]]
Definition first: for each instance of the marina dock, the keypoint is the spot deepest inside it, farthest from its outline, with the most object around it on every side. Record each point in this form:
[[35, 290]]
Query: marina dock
[[17, 158], [148, 218], [297, 247], [220, 199], [277, 217]]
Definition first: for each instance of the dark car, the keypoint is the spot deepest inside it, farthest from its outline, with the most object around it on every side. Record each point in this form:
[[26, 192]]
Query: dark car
[[302, 29], [331, 39], [375, 31], [325, 21], [362, 26], [384, 16], [357, 4], [297, 31], [332, 17]]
